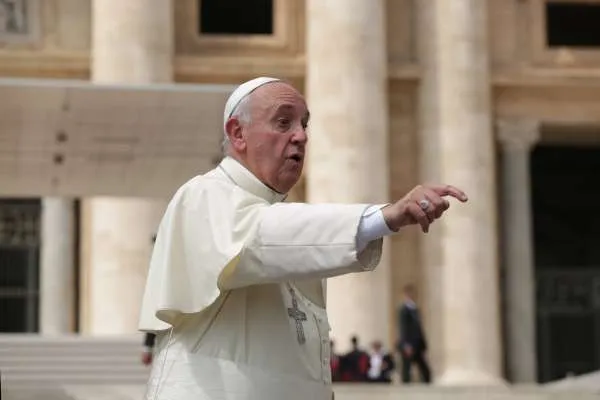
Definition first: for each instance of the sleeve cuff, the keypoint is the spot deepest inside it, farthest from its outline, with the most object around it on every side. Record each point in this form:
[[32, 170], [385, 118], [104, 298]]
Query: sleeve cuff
[[372, 226]]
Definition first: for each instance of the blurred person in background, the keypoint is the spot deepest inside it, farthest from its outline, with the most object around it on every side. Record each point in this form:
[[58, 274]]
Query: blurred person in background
[[355, 363], [334, 363], [381, 364], [413, 343], [149, 338]]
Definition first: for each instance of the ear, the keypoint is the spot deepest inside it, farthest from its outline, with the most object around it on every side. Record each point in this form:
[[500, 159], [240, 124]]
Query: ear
[[235, 134]]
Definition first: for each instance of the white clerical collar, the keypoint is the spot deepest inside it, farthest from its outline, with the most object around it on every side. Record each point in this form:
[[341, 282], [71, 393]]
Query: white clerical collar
[[245, 179]]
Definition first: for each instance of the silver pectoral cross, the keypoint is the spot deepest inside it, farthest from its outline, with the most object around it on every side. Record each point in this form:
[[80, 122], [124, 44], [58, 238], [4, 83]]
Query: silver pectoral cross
[[298, 316]]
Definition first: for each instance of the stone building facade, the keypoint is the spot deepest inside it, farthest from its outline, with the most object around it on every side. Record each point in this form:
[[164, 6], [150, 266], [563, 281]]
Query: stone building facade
[[498, 97]]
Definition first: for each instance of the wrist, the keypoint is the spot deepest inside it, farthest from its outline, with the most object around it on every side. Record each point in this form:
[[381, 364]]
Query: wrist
[[390, 217]]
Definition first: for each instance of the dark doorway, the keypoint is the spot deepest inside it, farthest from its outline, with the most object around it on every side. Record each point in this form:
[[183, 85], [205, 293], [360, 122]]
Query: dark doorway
[[19, 264], [566, 225]]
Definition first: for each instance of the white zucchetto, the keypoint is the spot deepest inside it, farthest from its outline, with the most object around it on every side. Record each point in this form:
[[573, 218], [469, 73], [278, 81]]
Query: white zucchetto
[[242, 91]]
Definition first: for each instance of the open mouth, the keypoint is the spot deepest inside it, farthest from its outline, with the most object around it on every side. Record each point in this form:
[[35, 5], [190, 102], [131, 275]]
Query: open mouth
[[296, 157]]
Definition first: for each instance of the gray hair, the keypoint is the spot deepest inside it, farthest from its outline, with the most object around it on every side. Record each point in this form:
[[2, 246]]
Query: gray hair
[[243, 113]]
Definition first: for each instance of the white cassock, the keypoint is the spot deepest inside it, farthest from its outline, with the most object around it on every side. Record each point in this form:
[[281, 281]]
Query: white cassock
[[236, 290]]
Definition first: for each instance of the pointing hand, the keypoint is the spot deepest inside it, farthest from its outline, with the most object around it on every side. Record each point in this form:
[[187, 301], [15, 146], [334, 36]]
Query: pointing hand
[[422, 205]]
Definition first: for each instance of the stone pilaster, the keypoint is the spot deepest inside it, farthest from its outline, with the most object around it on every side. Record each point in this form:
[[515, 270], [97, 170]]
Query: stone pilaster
[[132, 43], [457, 147], [346, 86], [57, 269], [517, 138]]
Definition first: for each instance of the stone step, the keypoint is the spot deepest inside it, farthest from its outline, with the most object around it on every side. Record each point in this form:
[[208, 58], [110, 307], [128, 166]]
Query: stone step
[[355, 392], [84, 359], [45, 380], [73, 369], [71, 352], [36, 337], [43, 343], [31, 360]]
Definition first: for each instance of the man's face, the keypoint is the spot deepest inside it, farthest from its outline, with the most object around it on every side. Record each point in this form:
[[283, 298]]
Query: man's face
[[273, 143]]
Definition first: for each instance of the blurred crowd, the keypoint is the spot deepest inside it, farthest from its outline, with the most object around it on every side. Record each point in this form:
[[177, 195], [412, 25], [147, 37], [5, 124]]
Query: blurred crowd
[[378, 364]]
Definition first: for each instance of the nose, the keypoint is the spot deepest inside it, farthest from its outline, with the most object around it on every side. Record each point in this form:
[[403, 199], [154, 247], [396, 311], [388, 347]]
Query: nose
[[300, 136]]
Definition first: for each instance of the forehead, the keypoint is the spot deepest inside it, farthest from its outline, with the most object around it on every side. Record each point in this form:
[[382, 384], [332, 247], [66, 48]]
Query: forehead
[[278, 95]]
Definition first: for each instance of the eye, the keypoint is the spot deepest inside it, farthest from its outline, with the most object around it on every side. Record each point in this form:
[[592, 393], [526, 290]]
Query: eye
[[283, 123]]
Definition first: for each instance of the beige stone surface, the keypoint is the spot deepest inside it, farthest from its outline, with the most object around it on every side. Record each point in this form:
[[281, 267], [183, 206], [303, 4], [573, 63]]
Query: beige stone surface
[[405, 264], [348, 159], [457, 147], [345, 392], [57, 269], [517, 139], [132, 42], [67, 138], [117, 234], [67, 25]]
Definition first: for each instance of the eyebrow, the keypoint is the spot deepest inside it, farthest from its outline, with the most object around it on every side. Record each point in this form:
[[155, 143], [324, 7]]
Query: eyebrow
[[287, 107], [283, 107]]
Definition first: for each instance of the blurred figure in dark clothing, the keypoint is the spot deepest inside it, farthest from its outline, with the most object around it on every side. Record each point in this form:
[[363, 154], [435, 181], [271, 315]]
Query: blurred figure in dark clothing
[[355, 364], [413, 344], [336, 375], [149, 338]]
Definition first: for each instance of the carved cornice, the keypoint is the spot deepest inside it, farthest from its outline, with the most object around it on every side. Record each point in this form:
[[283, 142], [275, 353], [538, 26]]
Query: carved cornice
[[193, 68], [44, 65], [187, 68], [210, 68]]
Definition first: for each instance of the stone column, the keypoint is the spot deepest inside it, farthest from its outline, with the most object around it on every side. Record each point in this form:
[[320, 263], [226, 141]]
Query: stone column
[[457, 147], [346, 87], [57, 269], [132, 43], [517, 138]]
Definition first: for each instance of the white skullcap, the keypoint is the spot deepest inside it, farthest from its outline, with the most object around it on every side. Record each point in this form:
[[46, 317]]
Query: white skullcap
[[242, 91]]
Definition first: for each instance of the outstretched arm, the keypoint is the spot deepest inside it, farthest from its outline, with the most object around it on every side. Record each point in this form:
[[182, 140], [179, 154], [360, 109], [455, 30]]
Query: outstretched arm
[[299, 241], [307, 241]]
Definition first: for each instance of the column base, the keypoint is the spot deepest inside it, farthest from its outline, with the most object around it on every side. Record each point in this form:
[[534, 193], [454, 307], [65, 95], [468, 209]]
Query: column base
[[465, 377]]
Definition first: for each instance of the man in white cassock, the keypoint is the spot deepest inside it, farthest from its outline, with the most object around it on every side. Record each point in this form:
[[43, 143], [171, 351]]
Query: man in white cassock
[[236, 285]]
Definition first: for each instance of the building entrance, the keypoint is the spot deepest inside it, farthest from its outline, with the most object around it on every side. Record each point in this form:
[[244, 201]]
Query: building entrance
[[19, 265], [565, 203]]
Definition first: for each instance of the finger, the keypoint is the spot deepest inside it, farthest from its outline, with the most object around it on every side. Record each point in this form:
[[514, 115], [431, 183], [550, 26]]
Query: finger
[[444, 207], [438, 204], [449, 190], [419, 215], [430, 211]]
